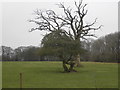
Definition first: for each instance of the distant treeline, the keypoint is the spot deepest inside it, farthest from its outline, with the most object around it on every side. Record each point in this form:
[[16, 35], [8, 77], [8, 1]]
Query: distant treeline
[[104, 49]]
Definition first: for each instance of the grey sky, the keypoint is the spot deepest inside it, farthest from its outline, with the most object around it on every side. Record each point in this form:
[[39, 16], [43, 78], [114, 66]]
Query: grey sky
[[15, 26]]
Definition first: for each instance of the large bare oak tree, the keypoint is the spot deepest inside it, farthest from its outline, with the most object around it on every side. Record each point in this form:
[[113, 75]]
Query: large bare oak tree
[[72, 23]]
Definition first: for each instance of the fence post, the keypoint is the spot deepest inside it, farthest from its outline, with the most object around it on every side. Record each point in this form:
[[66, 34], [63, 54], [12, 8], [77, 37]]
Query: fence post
[[20, 80]]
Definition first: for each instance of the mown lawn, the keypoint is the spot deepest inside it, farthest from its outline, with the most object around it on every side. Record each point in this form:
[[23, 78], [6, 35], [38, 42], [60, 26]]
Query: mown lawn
[[49, 75]]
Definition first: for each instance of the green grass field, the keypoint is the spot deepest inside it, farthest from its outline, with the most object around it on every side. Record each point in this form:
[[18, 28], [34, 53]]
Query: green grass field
[[49, 75]]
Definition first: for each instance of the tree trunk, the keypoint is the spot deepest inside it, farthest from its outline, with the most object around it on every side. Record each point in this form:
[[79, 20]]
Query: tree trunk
[[65, 67], [78, 64], [77, 56], [71, 69]]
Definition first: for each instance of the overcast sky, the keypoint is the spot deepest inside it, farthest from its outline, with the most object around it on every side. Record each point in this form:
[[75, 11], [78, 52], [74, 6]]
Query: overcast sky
[[15, 16]]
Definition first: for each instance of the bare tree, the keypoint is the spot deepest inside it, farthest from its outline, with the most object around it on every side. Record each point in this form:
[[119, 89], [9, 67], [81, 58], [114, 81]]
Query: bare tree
[[72, 22]]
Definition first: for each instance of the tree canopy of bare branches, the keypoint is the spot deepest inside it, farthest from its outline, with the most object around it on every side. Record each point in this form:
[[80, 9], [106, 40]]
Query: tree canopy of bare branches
[[72, 24]]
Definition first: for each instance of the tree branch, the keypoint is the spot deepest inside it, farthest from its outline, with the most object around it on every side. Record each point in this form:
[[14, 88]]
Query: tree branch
[[90, 24]]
